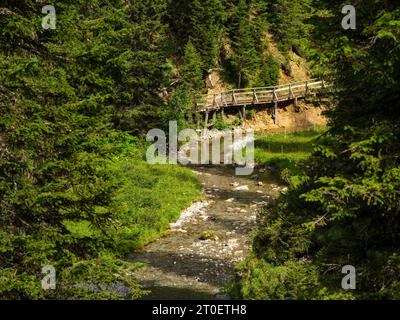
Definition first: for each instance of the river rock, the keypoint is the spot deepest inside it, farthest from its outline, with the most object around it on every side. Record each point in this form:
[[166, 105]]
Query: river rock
[[181, 230], [241, 188]]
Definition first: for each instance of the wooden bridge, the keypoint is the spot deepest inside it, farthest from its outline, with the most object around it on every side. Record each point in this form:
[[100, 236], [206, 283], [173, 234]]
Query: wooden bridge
[[211, 103]]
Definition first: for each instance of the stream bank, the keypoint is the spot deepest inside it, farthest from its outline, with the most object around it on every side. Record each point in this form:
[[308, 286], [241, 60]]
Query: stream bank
[[196, 260]]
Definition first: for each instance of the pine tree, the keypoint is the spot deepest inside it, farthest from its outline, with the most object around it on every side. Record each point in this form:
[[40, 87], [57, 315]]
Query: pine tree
[[202, 22], [192, 69], [287, 18], [269, 72], [246, 57], [61, 93], [345, 209]]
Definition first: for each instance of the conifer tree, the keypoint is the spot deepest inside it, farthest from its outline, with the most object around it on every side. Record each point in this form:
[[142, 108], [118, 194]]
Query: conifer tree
[[202, 22], [345, 209], [59, 92], [192, 69], [246, 57], [268, 73], [287, 19]]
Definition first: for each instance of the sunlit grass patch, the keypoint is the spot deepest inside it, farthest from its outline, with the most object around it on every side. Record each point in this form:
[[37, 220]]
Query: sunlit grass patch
[[149, 198], [285, 151]]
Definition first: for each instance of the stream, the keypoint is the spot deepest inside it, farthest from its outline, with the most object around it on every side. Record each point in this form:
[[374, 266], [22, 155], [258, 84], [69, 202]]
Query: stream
[[197, 258]]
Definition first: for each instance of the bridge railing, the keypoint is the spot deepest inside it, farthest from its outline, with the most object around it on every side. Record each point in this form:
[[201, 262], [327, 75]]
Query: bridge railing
[[258, 95]]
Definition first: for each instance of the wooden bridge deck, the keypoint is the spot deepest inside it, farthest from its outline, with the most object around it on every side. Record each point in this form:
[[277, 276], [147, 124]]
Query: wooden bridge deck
[[258, 96]]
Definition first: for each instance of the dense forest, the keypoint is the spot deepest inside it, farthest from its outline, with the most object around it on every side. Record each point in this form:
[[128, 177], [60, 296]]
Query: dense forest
[[77, 100]]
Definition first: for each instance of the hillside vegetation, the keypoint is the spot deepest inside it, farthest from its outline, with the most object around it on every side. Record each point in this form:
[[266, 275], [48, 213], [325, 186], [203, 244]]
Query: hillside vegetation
[[345, 210], [77, 100]]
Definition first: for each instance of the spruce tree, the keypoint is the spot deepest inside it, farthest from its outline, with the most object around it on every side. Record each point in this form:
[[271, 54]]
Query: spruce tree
[[288, 23], [192, 69], [345, 209], [246, 57], [61, 93], [202, 22]]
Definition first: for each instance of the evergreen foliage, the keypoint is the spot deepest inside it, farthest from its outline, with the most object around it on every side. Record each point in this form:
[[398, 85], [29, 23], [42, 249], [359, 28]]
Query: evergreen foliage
[[64, 95], [75, 102], [192, 69], [346, 209]]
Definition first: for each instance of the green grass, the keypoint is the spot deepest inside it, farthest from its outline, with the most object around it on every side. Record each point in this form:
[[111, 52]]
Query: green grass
[[285, 151], [147, 199], [150, 197]]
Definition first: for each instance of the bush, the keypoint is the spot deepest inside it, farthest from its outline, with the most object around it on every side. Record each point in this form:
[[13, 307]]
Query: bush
[[264, 281]]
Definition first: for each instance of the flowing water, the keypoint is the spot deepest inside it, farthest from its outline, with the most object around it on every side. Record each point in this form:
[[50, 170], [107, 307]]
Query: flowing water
[[196, 260]]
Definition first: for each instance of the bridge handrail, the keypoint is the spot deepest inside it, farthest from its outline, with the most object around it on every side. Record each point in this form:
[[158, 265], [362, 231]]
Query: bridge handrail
[[270, 89], [258, 95]]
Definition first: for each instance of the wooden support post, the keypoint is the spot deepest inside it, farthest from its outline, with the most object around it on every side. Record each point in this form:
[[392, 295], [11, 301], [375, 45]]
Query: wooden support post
[[241, 115], [255, 98], [275, 96], [244, 112], [215, 115], [206, 120], [296, 105], [234, 101], [308, 91], [223, 100], [214, 101], [222, 114], [275, 99]]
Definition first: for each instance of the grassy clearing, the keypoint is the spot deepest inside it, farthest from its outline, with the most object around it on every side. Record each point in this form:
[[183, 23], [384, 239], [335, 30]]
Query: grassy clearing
[[285, 151], [150, 197]]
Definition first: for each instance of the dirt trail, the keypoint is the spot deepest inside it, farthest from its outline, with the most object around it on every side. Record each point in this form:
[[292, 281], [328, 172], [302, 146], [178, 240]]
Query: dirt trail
[[181, 265]]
